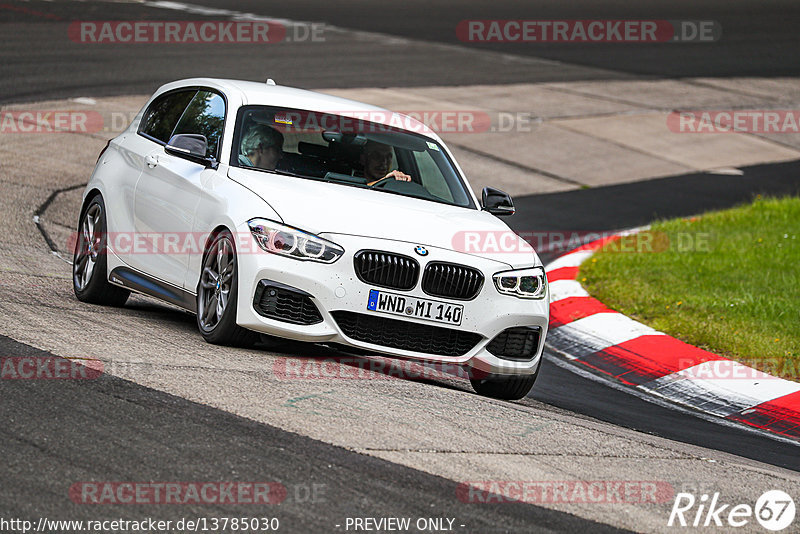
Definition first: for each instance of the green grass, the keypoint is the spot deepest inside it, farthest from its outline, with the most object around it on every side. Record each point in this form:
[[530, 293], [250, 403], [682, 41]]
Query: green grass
[[727, 281]]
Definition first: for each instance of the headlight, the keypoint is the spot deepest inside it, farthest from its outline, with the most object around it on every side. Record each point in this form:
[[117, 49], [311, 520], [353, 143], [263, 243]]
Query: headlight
[[287, 241], [524, 283]]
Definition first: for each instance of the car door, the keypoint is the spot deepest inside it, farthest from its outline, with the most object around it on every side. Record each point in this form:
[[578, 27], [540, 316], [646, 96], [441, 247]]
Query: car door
[[157, 122], [169, 189]]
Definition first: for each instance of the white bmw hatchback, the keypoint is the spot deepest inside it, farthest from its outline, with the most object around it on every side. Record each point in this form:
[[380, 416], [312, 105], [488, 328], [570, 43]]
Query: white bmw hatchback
[[270, 210]]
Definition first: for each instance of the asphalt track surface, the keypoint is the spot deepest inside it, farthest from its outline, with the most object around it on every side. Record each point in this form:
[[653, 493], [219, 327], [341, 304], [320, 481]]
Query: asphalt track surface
[[126, 431], [617, 207], [760, 39], [60, 432]]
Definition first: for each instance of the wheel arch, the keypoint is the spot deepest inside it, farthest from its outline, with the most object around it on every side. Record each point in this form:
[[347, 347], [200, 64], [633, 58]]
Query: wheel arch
[[213, 234], [88, 197]]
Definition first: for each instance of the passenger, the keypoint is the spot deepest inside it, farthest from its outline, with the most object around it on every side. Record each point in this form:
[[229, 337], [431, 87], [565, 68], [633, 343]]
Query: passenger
[[261, 147], [376, 158]]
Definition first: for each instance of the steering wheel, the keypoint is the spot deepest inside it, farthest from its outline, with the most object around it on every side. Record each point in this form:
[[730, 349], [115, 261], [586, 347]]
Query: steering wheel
[[383, 181]]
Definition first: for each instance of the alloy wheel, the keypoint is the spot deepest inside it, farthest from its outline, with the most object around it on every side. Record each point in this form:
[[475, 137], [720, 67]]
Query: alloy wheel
[[89, 244], [215, 282]]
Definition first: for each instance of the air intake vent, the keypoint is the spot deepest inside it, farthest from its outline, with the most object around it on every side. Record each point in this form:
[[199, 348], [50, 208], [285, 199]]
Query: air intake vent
[[385, 269], [405, 335], [285, 303], [519, 343], [452, 281]]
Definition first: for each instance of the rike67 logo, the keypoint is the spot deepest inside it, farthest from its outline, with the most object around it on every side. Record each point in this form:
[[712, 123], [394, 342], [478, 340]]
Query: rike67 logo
[[774, 510]]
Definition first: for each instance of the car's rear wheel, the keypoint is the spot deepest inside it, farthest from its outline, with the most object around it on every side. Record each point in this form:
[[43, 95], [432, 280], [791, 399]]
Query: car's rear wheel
[[89, 261], [216, 295], [506, 387]]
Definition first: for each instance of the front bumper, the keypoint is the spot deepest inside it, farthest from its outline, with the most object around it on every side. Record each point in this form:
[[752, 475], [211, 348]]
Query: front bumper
[[335, 287]]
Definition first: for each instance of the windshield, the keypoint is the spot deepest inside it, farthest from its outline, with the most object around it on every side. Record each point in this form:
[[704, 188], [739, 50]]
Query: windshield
[[347, 151]]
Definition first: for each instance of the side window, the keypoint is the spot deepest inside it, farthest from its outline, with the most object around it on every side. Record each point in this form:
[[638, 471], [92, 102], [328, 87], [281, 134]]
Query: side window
[[205, 115], [163, 114]]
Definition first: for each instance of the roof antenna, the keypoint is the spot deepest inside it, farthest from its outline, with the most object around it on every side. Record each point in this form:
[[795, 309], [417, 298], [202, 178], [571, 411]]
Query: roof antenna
[[270, 81]]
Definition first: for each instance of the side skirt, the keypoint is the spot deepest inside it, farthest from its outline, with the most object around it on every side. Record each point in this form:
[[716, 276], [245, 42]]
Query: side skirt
[[142, 283]]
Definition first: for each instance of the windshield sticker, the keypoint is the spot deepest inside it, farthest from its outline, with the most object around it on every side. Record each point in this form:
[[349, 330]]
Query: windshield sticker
[[283, 118], [433, 146]]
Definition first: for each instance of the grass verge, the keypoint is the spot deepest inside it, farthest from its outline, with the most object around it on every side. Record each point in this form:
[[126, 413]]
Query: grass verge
[[727, 281]]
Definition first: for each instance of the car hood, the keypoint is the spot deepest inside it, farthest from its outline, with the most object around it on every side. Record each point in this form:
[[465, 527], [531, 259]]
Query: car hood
[[326, 208]]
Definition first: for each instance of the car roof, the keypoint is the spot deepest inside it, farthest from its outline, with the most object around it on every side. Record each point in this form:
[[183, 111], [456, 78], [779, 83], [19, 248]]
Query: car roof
[[260, 93]]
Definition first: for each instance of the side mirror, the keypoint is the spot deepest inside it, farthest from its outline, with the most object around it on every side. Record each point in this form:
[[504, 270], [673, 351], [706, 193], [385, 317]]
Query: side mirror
[[192, 147], [497, 202]]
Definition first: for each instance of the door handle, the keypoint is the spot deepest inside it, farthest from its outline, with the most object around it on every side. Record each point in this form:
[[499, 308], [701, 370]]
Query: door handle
[[151, 160]]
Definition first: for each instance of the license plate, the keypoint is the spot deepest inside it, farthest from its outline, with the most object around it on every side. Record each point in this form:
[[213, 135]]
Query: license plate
[[431, 310]]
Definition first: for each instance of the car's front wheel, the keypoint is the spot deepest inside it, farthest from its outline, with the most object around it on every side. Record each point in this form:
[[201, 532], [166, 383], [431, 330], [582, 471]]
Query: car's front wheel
[[89, 261], [506, 387], [216, 295]]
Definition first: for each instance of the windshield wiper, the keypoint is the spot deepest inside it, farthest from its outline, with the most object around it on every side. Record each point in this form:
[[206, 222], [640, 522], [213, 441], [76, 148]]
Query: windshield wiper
[[345, 179], [431, 198]]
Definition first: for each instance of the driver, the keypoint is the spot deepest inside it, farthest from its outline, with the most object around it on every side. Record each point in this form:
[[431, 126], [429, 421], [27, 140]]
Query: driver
[[262, 147], [376, 159]]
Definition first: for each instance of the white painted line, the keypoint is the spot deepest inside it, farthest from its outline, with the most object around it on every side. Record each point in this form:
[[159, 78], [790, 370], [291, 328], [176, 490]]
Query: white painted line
[[573, 259], [634, 230], [726, 379], [214, 12], [727, 171], [84, 100], [607, 329], [561, 289]]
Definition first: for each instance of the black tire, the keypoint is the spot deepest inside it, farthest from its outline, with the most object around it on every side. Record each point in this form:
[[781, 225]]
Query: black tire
[[220, 285], [90, 263], [505, 387]]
